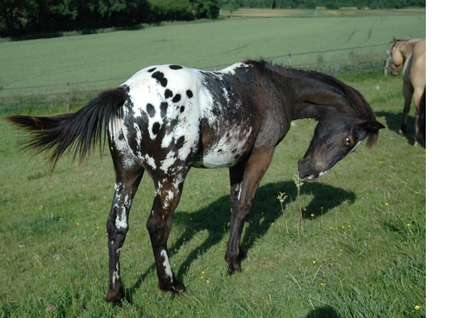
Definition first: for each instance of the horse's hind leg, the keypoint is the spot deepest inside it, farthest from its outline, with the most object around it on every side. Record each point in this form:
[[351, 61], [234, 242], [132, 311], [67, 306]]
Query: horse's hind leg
[[407, 95], [244, 181], [167, 197], [419, 125], [117, 227], [128, 176]]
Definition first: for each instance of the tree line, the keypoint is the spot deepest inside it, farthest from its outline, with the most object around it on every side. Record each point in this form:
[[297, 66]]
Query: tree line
[[329, 4], [22, 17], [19, 17]]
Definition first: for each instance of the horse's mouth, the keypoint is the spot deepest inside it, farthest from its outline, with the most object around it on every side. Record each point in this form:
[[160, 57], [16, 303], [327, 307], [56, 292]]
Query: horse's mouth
[[309, 177], [312, 176]]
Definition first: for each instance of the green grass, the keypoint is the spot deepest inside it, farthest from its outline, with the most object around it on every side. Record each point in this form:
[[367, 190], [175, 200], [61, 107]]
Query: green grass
[[117, 55], [351, 245]]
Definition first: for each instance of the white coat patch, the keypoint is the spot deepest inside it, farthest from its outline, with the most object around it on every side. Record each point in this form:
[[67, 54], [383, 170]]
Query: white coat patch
[[166, 265]]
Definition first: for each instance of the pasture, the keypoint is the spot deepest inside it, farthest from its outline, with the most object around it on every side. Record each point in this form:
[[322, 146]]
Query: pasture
[[350, 244]]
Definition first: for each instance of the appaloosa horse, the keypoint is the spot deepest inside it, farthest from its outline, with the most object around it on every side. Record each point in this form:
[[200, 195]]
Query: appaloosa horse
[[411, 55], [168, 118]]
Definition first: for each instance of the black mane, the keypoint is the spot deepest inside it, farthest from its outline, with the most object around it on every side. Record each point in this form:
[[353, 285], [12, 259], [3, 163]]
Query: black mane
[[355, 99]]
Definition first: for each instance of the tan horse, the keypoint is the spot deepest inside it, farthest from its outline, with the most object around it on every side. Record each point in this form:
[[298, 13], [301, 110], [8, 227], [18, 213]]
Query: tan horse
[[411, 55]]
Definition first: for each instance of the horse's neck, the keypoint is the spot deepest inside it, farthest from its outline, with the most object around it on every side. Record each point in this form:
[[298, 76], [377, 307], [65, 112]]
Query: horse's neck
[[310, 96], [407, 52], [407, 49]]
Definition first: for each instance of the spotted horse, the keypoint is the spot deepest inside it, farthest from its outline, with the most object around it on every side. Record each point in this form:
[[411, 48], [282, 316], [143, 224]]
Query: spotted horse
[[166, 119]]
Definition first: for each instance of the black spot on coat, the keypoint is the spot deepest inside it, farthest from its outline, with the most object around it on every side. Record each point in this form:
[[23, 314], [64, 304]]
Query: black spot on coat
[[175, 67], [189, 93], [180, 142], [177, 98], [168, 93], [159, 76], [151, 110], [156, 127]]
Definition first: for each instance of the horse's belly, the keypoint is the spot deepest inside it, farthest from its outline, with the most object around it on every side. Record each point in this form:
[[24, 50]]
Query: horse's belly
[[217, 160], [226, 151]]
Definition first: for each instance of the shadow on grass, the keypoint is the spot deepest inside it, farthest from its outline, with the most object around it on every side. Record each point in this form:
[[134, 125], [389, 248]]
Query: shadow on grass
[[323, 312], [394, 120], [266, 209]]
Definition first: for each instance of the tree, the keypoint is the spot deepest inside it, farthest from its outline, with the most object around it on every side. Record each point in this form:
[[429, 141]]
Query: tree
[[205, 9], [14, 15], [231, 5]]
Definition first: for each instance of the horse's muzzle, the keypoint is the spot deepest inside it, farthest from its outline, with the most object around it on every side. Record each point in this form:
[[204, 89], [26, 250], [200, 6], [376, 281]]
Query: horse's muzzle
[[394, 73], [307, 170]]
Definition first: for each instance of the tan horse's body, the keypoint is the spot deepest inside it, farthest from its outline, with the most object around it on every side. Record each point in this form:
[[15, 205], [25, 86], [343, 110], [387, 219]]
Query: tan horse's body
[[411, 55]]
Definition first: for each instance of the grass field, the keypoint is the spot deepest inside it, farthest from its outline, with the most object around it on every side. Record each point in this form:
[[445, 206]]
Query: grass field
[[351, 245], [212, 45]]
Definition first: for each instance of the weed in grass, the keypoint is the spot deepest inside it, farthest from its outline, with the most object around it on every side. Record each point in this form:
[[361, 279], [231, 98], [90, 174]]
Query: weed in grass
[[298, 184], [281, 197]]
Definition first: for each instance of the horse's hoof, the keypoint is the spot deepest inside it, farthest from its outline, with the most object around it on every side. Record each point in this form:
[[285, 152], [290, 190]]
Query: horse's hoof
[[242, 254], [117, 298], [234, 268], [176, 288], [413, 142]]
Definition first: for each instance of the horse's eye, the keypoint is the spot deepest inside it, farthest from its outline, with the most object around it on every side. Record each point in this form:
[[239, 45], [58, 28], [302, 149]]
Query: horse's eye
[[348, 141]]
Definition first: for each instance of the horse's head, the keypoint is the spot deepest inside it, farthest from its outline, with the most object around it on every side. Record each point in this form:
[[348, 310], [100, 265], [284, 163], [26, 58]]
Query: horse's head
[[334, 138], [397, 58]]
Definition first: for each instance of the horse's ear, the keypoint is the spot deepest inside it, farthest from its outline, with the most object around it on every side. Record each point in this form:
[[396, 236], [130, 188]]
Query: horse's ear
[[372, 125], [394, 39]]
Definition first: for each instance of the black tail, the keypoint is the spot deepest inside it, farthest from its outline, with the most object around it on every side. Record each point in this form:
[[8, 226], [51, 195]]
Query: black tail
[[76, 132]]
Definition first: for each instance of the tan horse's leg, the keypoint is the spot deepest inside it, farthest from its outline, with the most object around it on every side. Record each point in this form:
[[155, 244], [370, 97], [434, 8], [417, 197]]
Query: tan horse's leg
[[407, 95], [419, 100]]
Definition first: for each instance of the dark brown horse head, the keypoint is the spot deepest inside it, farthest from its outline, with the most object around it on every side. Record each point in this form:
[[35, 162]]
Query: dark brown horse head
[[333, 141]]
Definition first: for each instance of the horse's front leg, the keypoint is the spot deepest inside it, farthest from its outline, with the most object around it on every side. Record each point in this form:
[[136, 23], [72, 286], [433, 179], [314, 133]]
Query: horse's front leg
[[244, 181], [127, 182], [158, 225]]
